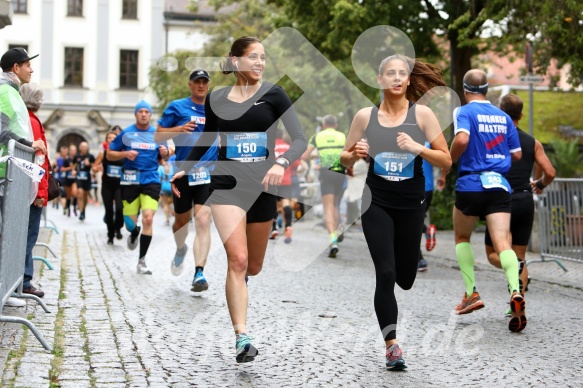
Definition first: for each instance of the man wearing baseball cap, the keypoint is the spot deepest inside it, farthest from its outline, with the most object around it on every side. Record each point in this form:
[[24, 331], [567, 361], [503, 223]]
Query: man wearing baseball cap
[[183, 120], [14, 119], [16, 56]]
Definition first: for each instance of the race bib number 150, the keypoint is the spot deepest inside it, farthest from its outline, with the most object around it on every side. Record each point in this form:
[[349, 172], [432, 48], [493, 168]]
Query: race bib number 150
[[247, 147]]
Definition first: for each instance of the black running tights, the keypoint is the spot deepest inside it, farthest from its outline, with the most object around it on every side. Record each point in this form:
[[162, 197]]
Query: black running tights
[[393, 238], [113, 208]]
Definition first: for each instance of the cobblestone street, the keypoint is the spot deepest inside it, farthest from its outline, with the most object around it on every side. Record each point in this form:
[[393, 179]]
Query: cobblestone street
[[312, 318]]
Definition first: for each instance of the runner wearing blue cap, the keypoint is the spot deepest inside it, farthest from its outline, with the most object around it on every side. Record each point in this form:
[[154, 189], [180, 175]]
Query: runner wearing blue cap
[[140, 182]]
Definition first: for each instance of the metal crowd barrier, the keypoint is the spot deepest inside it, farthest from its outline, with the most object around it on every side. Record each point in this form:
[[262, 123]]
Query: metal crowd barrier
[[53, 227], [561, 221], [14, 229]]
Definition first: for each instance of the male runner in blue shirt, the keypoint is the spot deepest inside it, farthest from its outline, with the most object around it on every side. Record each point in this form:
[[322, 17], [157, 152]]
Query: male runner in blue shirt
[[486, 143], [182, 121], [140, 182]]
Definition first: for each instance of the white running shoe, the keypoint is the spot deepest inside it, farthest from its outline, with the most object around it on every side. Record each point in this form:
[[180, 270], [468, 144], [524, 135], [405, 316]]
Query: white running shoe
[[177, 266], [142, 268], [15, 302]]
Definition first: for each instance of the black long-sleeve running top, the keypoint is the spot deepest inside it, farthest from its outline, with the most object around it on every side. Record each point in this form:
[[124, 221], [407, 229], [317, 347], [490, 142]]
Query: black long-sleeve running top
[[247, 133]]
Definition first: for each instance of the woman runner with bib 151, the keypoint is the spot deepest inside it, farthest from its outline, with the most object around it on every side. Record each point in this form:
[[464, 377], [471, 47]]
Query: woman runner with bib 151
[[246, 175], [395, 133]]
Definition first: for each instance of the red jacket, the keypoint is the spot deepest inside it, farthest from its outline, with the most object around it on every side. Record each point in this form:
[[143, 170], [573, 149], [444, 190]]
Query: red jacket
[[39, 134]]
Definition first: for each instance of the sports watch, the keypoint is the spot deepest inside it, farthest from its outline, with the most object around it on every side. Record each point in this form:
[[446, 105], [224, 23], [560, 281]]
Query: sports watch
[[282, 162]]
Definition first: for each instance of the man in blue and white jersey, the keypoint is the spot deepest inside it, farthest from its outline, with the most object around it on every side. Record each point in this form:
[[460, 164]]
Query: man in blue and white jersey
[[140, 182], [485, 143], [182, 121]]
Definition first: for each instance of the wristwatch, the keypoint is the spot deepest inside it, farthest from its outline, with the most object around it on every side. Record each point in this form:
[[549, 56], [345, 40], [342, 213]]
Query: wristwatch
[[282, 162]]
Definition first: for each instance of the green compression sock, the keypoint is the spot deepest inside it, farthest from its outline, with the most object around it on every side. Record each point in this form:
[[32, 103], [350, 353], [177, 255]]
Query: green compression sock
[[509, 263], [333, 237], [465, 258]]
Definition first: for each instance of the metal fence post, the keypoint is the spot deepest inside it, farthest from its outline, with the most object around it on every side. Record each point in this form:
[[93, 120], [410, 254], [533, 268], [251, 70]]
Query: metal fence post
[[15, 211], [561, 221]]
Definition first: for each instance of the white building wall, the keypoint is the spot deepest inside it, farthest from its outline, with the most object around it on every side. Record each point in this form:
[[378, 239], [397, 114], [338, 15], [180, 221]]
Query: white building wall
[[22, 31], [186, 38], [102, 33]]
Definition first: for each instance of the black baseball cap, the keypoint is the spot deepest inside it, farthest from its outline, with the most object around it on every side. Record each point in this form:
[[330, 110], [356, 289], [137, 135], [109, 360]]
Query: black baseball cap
[[199, 73], [14, 55]]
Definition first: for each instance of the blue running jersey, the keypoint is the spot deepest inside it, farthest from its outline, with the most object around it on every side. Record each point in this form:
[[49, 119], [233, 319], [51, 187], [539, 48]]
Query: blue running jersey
[[180, 112], [144, 169], [493, 138]]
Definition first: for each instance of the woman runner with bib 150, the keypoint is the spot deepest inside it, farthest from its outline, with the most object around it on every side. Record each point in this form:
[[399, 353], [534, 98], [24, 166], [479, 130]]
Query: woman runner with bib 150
[[246, 175], [393, 134]]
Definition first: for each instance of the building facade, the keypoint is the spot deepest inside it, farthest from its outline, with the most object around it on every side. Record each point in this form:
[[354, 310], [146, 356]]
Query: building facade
[[95, 58]]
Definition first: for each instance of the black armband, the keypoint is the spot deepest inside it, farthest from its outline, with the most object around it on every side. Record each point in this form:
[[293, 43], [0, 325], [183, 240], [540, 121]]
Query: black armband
[[539, 184]]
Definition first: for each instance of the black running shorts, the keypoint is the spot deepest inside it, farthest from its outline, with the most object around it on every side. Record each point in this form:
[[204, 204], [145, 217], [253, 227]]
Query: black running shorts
[[521, 219], [189, 195], [482, 203]]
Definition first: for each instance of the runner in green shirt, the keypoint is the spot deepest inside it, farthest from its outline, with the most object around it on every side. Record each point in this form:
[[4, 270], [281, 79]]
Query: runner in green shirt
[[329, 142]]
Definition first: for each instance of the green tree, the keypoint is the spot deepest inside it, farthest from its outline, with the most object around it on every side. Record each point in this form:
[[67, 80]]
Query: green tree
[[566, 158], [333, 27], [169, 79], [468, 26], [555, 27]]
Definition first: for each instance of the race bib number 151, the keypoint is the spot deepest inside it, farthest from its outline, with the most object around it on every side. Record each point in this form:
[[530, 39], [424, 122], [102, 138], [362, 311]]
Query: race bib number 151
[[394, 166]]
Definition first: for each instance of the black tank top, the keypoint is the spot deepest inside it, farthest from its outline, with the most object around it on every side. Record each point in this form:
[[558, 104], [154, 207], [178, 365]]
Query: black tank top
[[106, 177], [519, 174], [387, 158]]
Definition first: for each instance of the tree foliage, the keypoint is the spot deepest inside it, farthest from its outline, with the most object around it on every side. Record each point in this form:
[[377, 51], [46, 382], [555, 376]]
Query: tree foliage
[[169, 82], [566, 158], [555, 27], [447, 32]]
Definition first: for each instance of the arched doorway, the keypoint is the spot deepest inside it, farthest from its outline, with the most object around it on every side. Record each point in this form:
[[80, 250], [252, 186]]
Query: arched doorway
[[70, 138]]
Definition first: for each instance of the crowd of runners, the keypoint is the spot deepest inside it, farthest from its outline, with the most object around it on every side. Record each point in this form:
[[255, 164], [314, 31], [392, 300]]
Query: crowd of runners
[[224, 157]]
